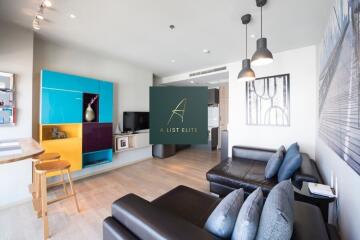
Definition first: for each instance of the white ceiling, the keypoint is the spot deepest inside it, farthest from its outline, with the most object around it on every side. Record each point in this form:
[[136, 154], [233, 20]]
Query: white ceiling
[[209, 80], [138, 30]]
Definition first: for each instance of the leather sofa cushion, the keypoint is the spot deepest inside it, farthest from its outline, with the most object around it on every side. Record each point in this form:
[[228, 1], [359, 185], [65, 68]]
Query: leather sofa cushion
[[146, 221], [253, 153], [192, 205], [308, 223], [242, 173], [112, 229]]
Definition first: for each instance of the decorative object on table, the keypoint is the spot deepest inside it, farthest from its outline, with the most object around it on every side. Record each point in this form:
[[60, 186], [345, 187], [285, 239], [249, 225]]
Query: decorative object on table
[[339, 102], [321, 189], [262, 56], [7, 99], [56, 134], [268, 101], [246, 73], [89, 113]]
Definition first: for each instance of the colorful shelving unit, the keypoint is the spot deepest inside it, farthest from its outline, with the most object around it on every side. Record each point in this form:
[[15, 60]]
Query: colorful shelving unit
[[64, 99]]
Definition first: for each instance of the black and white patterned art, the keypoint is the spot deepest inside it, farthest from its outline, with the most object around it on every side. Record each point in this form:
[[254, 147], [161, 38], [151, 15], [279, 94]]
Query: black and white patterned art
[[268, 101], [339, 89]]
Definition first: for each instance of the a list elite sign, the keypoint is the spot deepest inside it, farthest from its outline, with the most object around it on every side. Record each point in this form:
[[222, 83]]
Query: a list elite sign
[[178, 115]]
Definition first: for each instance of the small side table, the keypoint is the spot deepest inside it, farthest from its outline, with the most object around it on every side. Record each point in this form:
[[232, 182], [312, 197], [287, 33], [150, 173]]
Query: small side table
[[303, 194]]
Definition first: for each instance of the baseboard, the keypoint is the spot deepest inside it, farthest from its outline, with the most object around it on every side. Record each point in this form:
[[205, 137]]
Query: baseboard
[[16, 203], [112, 168]]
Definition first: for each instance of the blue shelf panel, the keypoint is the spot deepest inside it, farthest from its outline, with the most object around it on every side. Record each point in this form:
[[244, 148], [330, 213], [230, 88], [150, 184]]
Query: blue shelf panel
[[59, 106], [65, 81], [96, 158]]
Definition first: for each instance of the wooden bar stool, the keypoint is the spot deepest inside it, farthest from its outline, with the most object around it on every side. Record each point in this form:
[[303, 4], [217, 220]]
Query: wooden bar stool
[[41, 158], [32, 187], [41, 169]]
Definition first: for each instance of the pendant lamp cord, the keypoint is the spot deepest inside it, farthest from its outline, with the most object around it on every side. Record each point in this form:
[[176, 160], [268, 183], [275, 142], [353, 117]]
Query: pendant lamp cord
[[261, 23], [246, 42]]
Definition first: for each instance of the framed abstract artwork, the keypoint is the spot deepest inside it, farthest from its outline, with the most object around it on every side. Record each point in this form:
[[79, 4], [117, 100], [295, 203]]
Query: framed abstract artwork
[[268, 101]]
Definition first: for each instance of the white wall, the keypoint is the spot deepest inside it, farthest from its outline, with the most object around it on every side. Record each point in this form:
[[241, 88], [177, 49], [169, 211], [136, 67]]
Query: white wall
[[131, 88], [16, 56], [348, 182], [348, 190], [301, 64]]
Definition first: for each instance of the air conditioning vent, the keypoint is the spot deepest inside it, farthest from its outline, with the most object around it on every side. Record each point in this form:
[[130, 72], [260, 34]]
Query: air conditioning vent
[[207, 71]]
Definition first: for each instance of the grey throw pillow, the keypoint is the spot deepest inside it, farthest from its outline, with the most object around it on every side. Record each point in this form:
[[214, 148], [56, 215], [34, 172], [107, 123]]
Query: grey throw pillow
[[248, 219], [277, 217], [274, 163], [222, 220]]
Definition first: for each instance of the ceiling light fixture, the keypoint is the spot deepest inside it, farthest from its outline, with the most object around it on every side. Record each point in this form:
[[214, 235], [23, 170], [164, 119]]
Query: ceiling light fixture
[[246, 73], [39, 16], [47, 3], [173, 60], [262, 56], [36, 25], [72, 16], [206, 51]]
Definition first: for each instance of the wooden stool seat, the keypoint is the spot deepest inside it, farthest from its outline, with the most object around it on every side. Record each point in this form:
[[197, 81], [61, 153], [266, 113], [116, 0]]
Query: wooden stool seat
[[41, 158], [47, 156], [52, 166]]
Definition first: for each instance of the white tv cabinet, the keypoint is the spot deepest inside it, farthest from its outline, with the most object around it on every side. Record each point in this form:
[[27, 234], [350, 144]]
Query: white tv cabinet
[[126, 142]]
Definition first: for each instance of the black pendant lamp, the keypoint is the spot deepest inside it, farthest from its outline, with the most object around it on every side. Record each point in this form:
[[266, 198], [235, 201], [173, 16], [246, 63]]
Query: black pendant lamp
[[262, 56], [246, 73]]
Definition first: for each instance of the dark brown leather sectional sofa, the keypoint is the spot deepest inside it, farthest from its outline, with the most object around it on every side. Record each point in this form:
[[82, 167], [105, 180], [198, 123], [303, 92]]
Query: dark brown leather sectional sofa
[[246, 169], [181, 214]]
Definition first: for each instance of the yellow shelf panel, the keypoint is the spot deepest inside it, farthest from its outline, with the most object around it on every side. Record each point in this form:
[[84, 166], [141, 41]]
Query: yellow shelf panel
[[71, 130], [69, 148]]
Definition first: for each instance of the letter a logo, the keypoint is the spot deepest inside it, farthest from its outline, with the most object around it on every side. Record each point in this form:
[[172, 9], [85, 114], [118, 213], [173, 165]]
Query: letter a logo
[[179, 111]]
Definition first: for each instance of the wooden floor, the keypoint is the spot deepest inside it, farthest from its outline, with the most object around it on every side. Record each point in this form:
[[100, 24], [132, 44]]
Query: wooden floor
[[149, 179]]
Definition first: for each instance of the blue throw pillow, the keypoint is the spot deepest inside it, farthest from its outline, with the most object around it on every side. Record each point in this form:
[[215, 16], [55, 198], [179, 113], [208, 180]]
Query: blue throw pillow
[[274, 163], [248, 219], [277, 217], [222, 220], [292, 150], [289, 167]]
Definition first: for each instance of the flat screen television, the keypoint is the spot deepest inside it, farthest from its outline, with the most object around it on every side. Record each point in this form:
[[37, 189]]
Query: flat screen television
[[135, 121]]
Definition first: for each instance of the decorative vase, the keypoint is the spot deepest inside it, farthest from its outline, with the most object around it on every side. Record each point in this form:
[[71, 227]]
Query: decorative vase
[[89, 114]]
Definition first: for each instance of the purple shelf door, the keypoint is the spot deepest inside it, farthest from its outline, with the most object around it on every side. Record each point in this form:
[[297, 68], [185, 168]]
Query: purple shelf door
[[97, 136]]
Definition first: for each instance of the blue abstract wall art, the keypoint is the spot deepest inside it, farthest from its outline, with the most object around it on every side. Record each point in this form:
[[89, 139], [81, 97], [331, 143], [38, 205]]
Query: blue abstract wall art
[[339, 83]]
